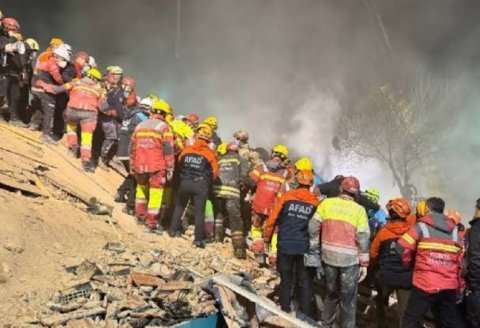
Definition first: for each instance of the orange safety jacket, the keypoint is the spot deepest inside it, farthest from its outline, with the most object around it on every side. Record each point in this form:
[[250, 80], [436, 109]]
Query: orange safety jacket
[[85, 94]]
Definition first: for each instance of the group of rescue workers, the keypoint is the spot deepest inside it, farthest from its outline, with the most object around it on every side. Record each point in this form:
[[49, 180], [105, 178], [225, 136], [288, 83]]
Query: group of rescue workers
[[312, 232]]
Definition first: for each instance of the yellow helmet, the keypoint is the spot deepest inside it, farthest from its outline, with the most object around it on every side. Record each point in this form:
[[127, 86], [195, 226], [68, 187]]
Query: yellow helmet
[[161, 106], [152, 96], [222, 148], [212, 121], [421, 208], [304, 164], [55, 42], [33, 44], [280, 150], [94, 73], [373, 194], [205, 132]]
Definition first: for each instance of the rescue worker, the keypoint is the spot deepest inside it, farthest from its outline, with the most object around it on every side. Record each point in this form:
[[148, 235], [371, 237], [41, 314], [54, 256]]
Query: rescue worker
[[152, 161], [292, 214], [435, 250], [198, 169], [212, 121], [192, 120], [48, 53], [183, 134], [345, 252], [233, 172], [306, 164], [473, 270], [28, 61], [132, 118], [110, 119], [420, 211], [378, 218], [241, 137], [392, 275], [12, 49], [268, 180], [87, 98], [80, 61], [46, 77]]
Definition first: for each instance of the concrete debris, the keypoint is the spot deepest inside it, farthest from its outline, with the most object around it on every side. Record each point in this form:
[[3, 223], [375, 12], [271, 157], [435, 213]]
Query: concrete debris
[[126, 288], [14, 248]]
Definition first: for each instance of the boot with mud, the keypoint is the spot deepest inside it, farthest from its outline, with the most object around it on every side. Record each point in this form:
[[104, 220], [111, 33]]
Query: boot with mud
[[240, 253], [120, 197], [219, 230], [103, 163], [46, 139], [73, 151], [17, 123], [88, 166]]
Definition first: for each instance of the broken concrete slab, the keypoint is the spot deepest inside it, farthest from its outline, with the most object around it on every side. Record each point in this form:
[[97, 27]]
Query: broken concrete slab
[[141, 279], [87, 269], [60, 319]]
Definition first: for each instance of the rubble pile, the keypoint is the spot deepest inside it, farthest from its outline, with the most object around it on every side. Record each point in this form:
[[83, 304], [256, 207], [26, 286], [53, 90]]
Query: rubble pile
[[155, 288]]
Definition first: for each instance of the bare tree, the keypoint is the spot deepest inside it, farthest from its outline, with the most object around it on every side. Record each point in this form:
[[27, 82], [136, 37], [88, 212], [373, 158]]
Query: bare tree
[[399, 124]]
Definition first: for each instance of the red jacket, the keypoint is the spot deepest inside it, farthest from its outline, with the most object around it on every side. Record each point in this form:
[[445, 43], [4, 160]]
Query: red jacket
[[48, 74], [85, 95], [270, 185], [436, 250], [152, 146]]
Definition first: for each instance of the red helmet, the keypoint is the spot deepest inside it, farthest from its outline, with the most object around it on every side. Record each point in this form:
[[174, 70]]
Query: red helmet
[[304, 177], [10, 24], [400, 206], [82, 54], [232, 146], [129, 81], [350, 184], [193, 118]]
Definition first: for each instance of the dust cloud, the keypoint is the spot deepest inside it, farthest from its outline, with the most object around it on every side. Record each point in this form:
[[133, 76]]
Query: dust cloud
[[281, 69]]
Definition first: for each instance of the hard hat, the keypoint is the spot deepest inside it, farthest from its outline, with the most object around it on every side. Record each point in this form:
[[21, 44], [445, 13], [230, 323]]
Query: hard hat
[[193, 118], [399, 206], [146, 103], [304, 177], [129, 81], [304, 163], [94, 73], [232, 146], [373, 194], [63, 51], [115, 70], [212, 121], [33, 44], [92, 62], [55, 42], [161, 106], [10, 24], [222, 148], [350, 185], [17, 35], [205, 132], [454, 215], [280, 150], [82, 54], [421, 208], [241, 135]]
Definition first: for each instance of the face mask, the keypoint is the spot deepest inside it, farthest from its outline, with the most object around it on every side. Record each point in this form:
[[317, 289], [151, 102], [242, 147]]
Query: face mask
[[62, 63]]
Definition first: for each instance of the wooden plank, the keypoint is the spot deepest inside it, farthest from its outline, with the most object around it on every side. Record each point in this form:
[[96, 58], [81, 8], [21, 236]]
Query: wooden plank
[[11, 183]]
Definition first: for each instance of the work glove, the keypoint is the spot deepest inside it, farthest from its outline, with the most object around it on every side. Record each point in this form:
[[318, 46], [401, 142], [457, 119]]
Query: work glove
[[258, 246], [272, 260], [362, 274], [169, 175]]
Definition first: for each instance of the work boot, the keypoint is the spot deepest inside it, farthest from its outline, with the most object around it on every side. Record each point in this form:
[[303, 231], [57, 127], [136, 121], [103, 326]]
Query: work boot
[[240, 253], [18, 123], [128, 210], [119, 197], [200, 244], [158, 230], [73, 151], [46, 139], [103, 164], [175, 234], [88, 166]]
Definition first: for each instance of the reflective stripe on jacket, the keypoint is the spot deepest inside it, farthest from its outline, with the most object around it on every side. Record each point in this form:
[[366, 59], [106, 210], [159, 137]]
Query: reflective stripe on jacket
[[435, 249], [232, 170], [345, 233], [85, 95], [270, 185]]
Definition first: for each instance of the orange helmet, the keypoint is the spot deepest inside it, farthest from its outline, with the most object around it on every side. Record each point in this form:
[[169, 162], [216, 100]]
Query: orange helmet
[[304, 177], [454, 215], [399, 206], [232, 146], [193, 118], [10, 24], [82, 54]]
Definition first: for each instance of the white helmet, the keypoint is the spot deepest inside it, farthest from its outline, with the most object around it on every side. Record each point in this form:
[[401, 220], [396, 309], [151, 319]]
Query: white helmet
[[92, 62], [146, 102], [63, 51]]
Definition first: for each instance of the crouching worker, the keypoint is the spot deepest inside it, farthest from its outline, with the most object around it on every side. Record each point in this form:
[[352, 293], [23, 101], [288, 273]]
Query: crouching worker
[[292, 214], [86, 99]]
